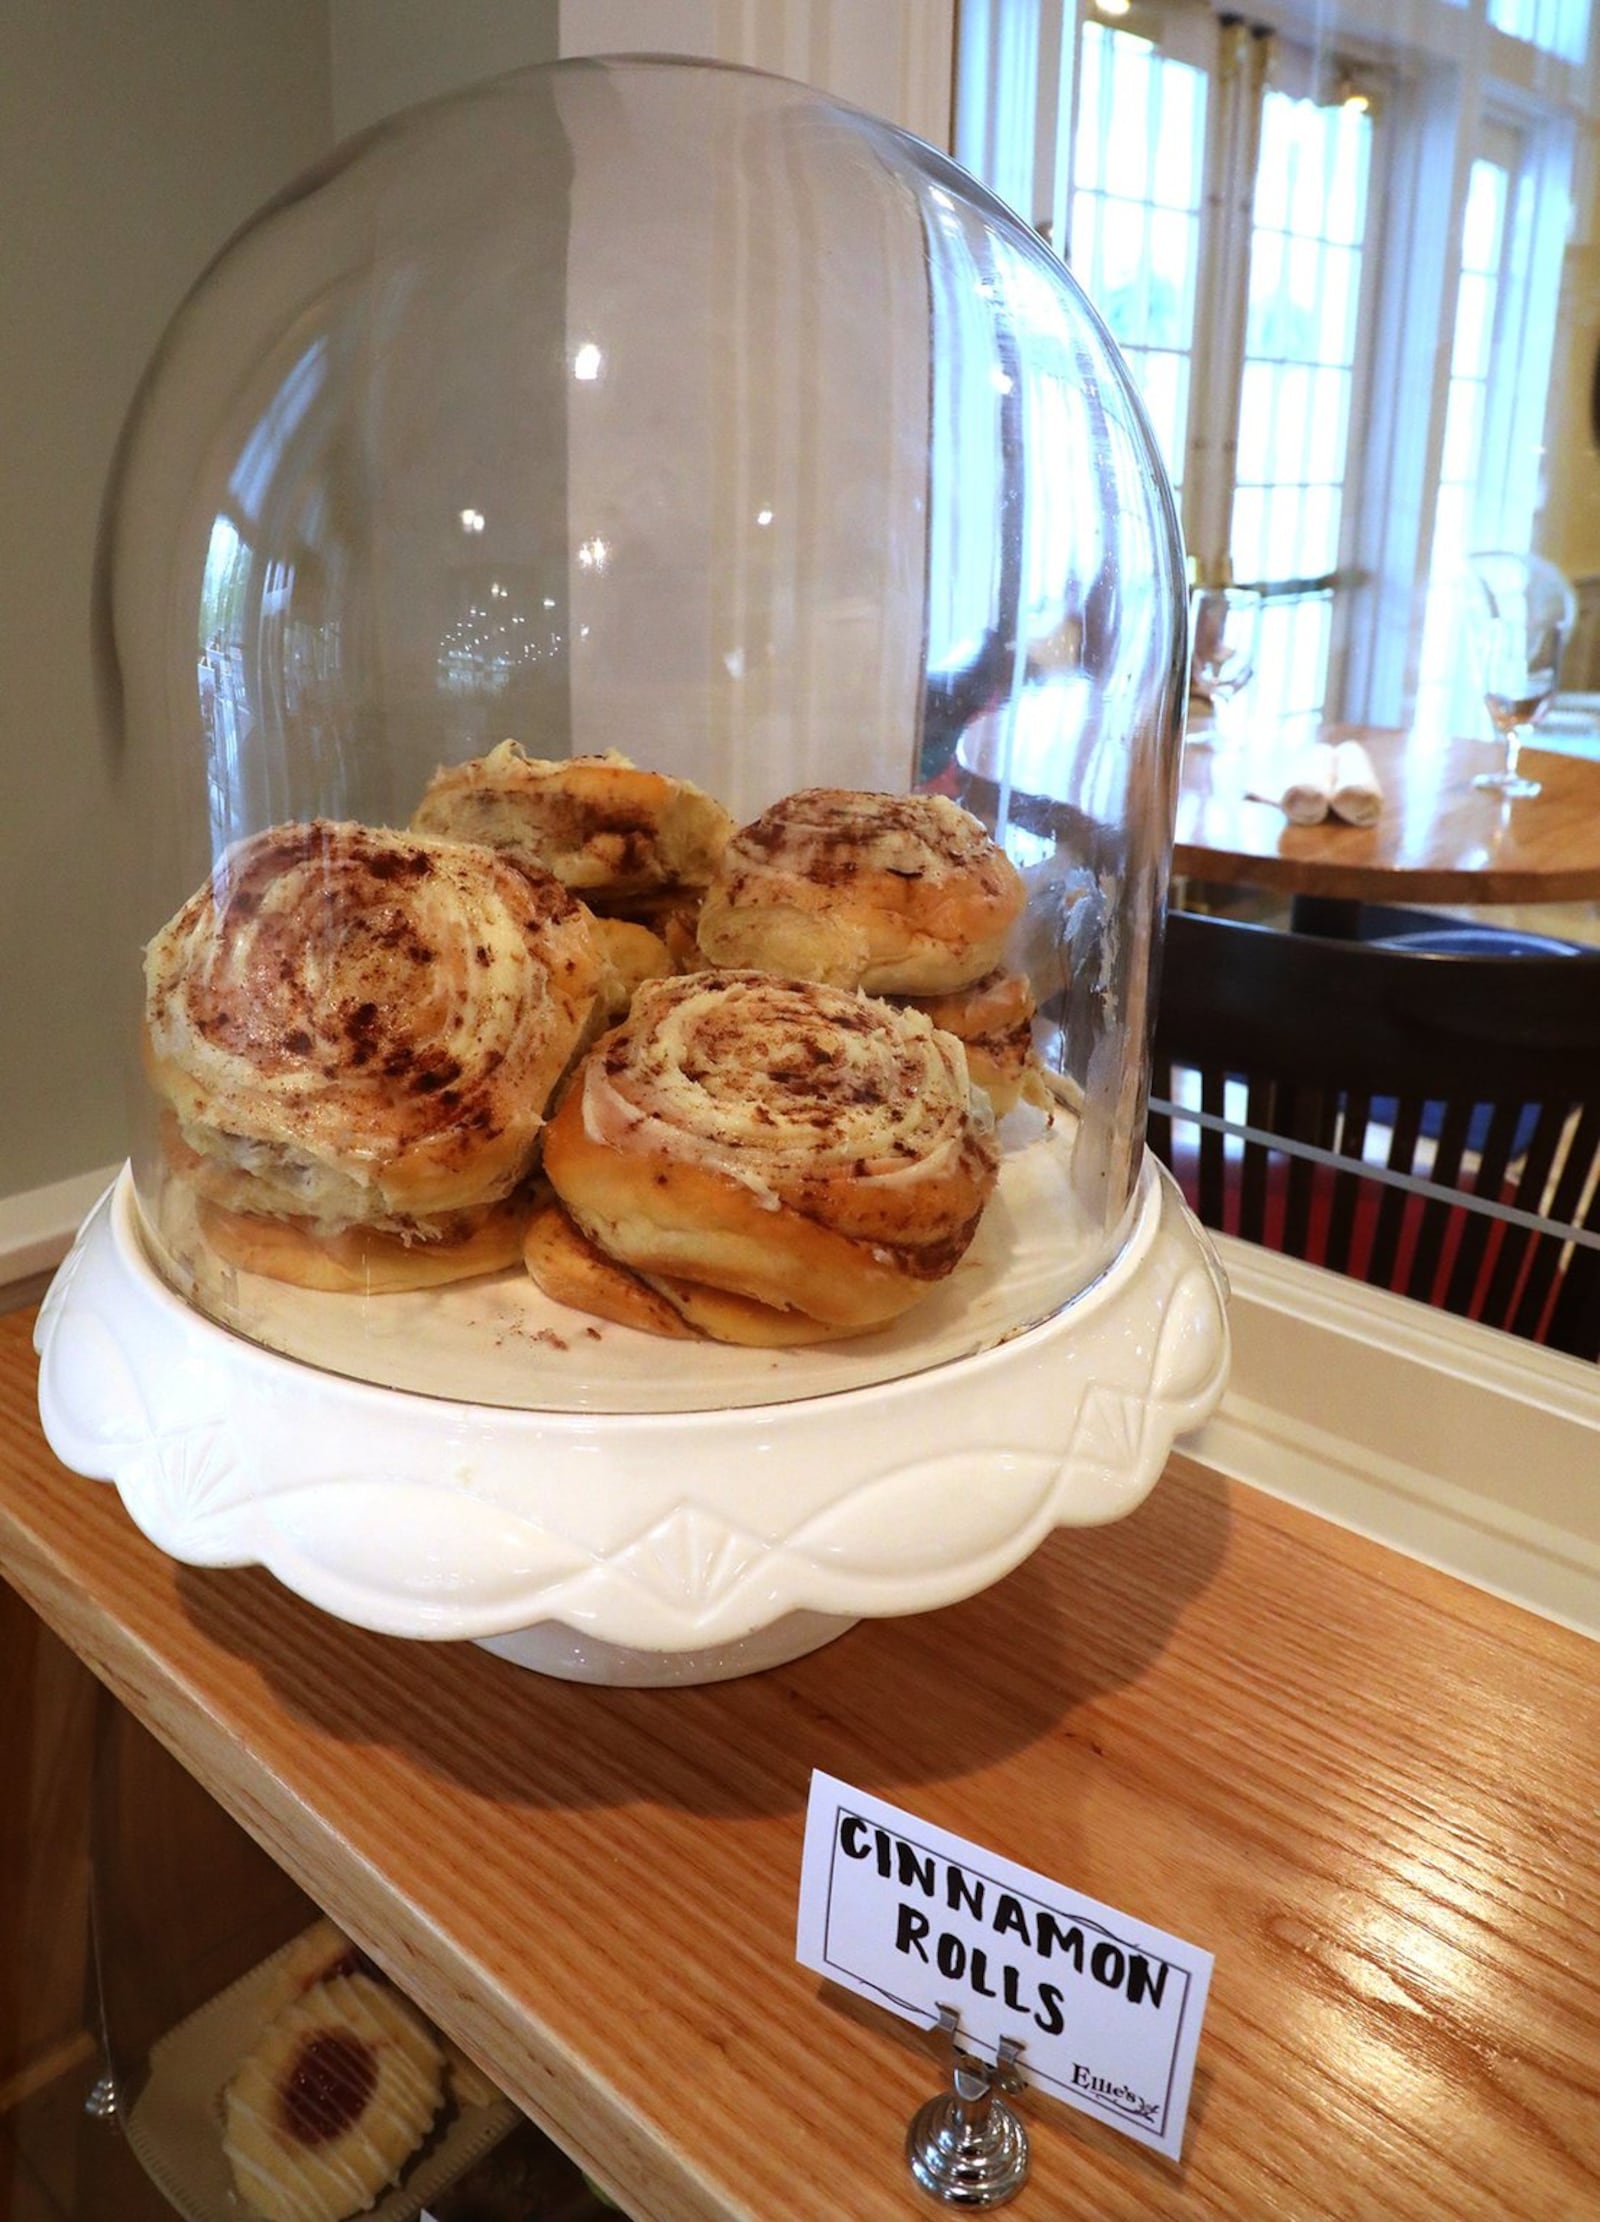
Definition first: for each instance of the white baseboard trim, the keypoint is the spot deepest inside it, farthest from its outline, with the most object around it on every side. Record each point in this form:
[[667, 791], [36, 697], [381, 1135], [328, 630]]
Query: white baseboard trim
[[1454, 1443], [37, 1226]]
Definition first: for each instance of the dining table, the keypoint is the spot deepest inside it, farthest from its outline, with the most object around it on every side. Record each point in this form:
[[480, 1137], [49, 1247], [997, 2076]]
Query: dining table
[[1437, 838]]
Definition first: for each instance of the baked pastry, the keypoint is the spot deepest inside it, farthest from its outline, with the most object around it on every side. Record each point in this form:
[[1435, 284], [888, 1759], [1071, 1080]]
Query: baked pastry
[[313, 1957], [342, 2087], [357, 1033], [781, 1159], [574, 1271], [629, 954], [369, 1261], [324, 1951], [993, 1021], [616, 835], [898, 894]]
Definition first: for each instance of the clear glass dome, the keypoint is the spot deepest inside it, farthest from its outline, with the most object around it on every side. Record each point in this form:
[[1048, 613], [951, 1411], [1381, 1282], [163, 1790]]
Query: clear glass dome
[[655, 407]]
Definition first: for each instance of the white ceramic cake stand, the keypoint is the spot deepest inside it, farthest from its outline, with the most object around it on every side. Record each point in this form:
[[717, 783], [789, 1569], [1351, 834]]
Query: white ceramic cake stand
[[657, 1547]]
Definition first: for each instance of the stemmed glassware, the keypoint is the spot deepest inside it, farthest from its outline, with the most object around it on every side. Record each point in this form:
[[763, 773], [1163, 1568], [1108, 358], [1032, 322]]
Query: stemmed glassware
[[1517, 665], [1521, 615], [1224, 628]]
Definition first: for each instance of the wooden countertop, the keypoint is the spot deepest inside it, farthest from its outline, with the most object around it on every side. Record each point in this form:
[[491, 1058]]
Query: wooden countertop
[[1439, 839], [1370, 1790]]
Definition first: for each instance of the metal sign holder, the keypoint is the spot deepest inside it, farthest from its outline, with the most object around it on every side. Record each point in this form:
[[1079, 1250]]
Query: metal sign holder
[[967, 2147]]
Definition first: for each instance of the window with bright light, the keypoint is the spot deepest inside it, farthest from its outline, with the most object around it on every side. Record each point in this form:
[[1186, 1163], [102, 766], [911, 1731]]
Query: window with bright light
[[1138, 181], [1335, 285], [1158, 139], [1553, 26], [1306, 243]]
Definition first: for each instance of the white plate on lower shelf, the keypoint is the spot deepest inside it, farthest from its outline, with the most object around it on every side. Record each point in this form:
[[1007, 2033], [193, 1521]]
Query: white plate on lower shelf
[[175, 2125]]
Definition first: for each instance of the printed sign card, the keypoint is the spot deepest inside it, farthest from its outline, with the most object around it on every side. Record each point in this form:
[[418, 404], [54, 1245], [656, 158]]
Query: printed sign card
[[913, 1918]]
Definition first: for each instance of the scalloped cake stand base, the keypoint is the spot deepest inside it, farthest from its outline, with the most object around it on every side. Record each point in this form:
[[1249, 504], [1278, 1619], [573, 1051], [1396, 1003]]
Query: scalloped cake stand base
[[650, 1548]]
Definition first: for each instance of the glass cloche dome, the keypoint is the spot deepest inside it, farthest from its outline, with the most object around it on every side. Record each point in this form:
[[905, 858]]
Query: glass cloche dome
[[648, 629]]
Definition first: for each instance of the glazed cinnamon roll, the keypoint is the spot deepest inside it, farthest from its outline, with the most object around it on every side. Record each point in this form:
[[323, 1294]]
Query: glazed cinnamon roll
[[338, 2093], [782, 1160], [425, 1252], [629, 954], [993, 1021], [357, 1033], [898, 894], [574, 1271], [620, 837]]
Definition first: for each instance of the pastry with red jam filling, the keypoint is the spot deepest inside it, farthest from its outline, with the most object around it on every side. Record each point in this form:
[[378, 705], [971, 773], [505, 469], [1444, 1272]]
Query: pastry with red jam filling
[[323, 2115]]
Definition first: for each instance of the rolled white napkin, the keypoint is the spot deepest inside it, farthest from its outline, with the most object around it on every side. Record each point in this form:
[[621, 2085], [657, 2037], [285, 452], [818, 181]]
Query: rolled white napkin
[[1356, 795], [1308, 790]]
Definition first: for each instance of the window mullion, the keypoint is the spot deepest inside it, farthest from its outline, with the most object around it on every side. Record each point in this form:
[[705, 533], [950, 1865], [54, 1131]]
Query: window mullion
[[1233, 145], [1006, 99]]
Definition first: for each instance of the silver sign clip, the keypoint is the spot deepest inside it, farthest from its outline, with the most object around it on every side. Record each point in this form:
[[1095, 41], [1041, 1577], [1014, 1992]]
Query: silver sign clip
[[967, 2146]]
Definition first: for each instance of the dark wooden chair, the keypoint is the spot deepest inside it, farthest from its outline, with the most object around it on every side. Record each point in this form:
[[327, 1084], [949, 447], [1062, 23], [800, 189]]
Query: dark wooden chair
[[1435, 932], [1477, 1075]]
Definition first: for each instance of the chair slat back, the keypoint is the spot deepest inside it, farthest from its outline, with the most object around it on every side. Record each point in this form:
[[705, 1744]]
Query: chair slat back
[[1476, 1074]]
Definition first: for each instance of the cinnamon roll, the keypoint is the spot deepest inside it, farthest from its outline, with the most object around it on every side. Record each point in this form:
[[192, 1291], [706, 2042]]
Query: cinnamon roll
[[898, 894], [629, 954], [993, 1021], [369, 1261], [616, 835], [340, 2090], [572, 1270], [781, 1159], [357, 1033]]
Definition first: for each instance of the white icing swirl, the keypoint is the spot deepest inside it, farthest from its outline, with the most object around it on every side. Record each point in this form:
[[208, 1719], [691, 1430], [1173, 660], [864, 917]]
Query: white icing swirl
[[782, 1084], [362, 1023]]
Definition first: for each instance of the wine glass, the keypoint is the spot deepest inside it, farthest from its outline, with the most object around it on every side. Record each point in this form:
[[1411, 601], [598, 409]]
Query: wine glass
[[1520, 620], [1224, 625], [1518, 672]]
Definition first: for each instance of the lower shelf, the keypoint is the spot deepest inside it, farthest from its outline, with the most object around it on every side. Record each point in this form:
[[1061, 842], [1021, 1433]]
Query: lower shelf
[[481, 2163]]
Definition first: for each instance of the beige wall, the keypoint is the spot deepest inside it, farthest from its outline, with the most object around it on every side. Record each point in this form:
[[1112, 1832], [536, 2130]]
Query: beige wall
[[1571, 535], [389, 54], [132, 141]]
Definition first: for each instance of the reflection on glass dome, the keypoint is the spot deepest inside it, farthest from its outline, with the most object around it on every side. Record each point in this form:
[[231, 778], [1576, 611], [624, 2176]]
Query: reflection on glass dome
[[674, 411]]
